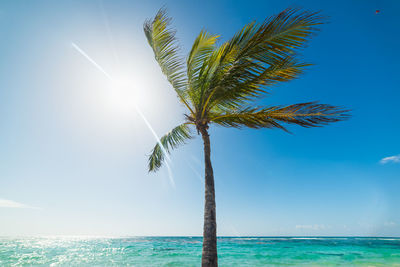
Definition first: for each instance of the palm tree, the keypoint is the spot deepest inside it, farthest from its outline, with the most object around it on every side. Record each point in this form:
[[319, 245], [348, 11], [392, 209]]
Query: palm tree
[[219, 84]]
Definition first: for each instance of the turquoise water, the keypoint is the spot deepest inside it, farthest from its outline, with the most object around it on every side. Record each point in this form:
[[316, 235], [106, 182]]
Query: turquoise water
[[186, 251]]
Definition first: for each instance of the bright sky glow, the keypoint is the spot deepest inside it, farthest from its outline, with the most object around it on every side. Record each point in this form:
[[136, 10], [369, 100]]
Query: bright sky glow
[[125, 101]]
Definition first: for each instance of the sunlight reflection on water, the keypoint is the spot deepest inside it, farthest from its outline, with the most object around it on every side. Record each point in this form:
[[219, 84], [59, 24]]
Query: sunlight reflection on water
[[186, 251]]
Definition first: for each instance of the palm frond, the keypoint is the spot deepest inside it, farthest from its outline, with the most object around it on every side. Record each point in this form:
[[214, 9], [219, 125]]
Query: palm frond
[[162, 40], [251, 83], [170, 140], [202, 48], [259, 54], [311, 114]]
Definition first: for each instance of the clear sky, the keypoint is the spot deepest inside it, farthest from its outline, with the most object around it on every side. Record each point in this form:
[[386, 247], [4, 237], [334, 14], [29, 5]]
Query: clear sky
[[73, 150]]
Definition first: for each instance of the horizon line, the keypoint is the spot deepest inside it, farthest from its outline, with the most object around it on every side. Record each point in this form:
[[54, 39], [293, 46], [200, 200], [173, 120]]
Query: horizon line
[[200, 236]]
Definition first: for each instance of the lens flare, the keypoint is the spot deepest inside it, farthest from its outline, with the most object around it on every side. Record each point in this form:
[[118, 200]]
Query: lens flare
[[137, 108]]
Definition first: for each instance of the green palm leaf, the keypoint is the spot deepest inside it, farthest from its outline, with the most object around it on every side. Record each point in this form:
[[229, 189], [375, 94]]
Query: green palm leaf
[[170, 140], [164, 44], [260, 55], [202, 49], [309, 114]]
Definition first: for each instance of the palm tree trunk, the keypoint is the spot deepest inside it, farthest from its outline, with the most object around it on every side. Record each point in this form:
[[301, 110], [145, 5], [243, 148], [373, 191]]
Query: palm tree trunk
[[209, 256]]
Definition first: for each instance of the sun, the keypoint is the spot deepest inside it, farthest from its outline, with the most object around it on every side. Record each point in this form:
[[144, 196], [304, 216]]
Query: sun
[[127, 91], [123, 94]]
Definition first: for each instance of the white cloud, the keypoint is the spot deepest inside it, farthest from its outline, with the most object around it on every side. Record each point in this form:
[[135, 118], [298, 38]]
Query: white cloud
[[312, 227], [5, 203], [394, 159]]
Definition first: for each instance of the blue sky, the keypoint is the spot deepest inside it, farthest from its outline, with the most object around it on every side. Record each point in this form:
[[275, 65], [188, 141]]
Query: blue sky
[[74, 151]]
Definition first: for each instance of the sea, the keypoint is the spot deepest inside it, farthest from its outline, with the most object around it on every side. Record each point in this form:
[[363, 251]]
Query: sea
[[186, 251]]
